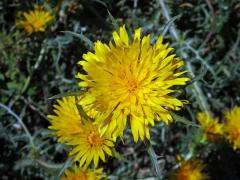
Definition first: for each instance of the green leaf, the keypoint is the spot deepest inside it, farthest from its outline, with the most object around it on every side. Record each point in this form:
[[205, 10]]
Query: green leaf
[[76, 93], [82, 112], [118, 156], [82, 37], [67, 164], [114, 22], [183, 120], [2, 77], [168, 25], [22, 163], [199, 76], [49, 167], [154, 159]]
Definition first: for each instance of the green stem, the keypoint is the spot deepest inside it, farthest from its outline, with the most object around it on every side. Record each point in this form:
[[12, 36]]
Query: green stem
[[168, 18], [20, 122], [49, 167], [64, 166], [52, 167], [27, 81], [196, 86], [197, 91], [153, 158]]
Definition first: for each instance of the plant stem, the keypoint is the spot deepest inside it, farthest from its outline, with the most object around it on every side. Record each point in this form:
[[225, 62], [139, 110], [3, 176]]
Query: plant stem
[[64, 166], [20, 122], [196, 86], [52, 167], [168, 18], [197, 91], [49, 167], [153, 158], [27, 81]]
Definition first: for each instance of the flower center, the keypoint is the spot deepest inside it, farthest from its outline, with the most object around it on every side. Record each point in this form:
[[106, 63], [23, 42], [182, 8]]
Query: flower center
[[82, 176], [235, 134], [94, 139], [128, 81], [37, 24], [132, 86]]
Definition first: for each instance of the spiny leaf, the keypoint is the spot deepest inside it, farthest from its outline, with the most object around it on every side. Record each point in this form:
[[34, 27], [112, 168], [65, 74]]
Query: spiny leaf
[[82, 37], [199, 76], [67, 164], [76, 93], [118, 156], [114, 22], [82, 112], [183, 120], [169, 24]]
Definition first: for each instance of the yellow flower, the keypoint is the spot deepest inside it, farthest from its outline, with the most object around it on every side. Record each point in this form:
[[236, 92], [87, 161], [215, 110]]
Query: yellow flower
[[212, 128], [190, 170], [91, 145], [87, 142], [77, 173], [131, 80], [232, 127], [67, 121], [35, 20]]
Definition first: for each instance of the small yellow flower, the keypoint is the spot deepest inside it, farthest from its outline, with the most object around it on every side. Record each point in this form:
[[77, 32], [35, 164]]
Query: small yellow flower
[[190, 170], [35, 20], [232, 127], [77, 173], [88, 143], [91, 145], [67, 121], [131, 81], [212, 128]]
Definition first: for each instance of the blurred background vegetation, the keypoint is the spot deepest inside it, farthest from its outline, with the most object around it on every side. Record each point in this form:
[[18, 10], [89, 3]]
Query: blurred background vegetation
[[204, 33]]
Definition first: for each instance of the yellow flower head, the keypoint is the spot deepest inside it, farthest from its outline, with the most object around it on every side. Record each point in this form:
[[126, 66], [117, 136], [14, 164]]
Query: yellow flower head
[[35, 20], [77, 173], [212, 128], [67, 121], [88, 143], [91, 145], [232, 127], [131, 80], [190, 170]]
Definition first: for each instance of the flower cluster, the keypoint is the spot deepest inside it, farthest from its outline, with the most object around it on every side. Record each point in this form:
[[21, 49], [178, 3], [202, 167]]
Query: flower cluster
[[230, 128], [193, 169], [127, 82]]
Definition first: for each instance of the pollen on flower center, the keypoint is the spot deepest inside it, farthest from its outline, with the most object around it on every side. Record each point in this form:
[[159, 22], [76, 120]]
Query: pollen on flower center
[[235, 133], [132, 86], [94, 139], [81, 176], [37, 24]]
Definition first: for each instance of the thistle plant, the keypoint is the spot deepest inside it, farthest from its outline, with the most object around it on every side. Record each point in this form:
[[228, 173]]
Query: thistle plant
[[124, 90]]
